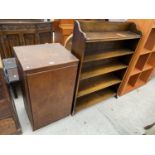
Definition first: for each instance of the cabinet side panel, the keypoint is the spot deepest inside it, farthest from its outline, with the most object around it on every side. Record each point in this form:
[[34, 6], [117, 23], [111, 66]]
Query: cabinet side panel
[[25, 91]]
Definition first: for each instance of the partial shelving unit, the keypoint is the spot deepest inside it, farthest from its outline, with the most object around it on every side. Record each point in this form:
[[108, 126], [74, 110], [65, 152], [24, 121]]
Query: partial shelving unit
[[104, 50], [141, 68], [9, 123], [62, 29]]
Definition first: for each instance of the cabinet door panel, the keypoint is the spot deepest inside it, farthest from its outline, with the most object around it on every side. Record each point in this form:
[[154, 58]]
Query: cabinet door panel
[[51, 94]]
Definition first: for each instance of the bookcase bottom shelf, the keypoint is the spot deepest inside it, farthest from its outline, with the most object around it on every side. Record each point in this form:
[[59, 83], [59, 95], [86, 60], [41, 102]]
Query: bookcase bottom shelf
[[92, 85], [94, 98]]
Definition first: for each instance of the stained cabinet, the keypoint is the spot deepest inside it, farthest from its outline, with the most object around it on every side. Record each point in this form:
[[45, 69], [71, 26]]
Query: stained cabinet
[[48, 74]]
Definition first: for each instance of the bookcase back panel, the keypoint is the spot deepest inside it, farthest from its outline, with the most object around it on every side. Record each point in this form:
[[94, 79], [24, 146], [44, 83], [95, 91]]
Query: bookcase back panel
[[125, 59], [112, 45], [131, 44], [120, 73], [100, 62]]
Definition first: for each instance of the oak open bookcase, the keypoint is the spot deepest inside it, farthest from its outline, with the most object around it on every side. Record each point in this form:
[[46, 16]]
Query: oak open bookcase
[[141, 69], [105, 50]]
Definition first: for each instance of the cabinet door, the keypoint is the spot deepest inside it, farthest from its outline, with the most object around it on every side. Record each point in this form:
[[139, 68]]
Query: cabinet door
[[51, 94]]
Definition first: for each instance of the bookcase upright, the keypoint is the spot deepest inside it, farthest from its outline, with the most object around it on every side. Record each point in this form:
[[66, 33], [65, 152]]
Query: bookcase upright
[[104, 50]]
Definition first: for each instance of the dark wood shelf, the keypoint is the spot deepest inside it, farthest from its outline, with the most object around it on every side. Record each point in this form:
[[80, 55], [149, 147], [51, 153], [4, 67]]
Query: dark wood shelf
[[94, 98], [107, 54], [110, 36], [96, 70], [105, 50], [94, 84]]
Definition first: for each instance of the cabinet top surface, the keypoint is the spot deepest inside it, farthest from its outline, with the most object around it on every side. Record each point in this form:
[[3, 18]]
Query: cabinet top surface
[[43, 55]]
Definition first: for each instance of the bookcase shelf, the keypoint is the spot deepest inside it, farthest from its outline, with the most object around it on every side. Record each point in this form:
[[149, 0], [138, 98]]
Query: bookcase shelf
[[91, 99], [104, 50], [95, 84], [143, 63], [93, 70], [107, 54], [110, 36]]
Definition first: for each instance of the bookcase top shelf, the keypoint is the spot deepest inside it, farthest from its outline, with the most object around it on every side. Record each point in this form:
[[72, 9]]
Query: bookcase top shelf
[[110, 36], [108, 31]]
